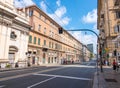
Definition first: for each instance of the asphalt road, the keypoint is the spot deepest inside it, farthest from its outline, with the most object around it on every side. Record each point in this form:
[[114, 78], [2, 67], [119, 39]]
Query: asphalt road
[[66, 76]]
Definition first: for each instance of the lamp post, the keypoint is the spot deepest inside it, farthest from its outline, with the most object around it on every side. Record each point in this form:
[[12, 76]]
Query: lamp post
[[101, 42], [97, 47]]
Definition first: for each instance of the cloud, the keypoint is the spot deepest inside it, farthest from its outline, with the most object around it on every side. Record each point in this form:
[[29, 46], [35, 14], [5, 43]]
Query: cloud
[[43, 6], [58, 2], [91, 17], [60, 11], [58, 15], [23, 3], [95, 28], [85, 38]]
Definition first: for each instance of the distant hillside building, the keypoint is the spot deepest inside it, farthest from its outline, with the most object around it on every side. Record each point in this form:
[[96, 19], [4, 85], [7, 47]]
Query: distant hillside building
[[90, 47]]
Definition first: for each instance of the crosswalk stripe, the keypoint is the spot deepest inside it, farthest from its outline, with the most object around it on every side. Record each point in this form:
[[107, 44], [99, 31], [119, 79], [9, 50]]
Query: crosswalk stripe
[[60, 76]]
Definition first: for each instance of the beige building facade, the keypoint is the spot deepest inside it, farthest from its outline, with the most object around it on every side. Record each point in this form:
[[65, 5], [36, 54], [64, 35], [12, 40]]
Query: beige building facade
[[14, 33], [46, 45], [109, 27], [30, 37]]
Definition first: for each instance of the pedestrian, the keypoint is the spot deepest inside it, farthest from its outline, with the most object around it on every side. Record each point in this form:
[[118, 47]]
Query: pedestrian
[[106, 63], [114, 65]]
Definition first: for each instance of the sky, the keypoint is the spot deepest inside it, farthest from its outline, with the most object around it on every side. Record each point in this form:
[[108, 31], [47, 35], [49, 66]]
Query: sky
[[70, 14]]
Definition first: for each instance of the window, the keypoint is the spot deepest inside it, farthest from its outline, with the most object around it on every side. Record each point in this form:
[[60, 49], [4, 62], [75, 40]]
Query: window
[[39, 27], [34, 40], [116, 45], [40, 15], [44, 30], [31, 13], [118, 14], [102, 15], [30, 39], [56, 46], [52, 45], [52, 34], [117, 29], [44, 42], [38, 41], [49, 44], [117, 2], [45, 19], [13, 35]]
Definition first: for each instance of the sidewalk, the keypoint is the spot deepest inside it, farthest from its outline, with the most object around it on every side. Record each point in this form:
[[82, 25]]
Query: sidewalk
[[42, 65], [107, 79], [19, 68], [37, 66]]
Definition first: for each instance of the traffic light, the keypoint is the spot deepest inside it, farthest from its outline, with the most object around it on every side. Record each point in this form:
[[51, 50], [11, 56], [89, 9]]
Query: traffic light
[[60, 30], [100, 52], [115, 52]]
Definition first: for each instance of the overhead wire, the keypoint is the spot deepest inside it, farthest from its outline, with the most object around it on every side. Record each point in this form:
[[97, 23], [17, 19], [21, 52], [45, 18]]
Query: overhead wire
[[53, 12]]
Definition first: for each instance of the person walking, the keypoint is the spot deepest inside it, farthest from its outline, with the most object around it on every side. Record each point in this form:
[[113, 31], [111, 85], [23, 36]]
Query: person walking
[[114, 65]]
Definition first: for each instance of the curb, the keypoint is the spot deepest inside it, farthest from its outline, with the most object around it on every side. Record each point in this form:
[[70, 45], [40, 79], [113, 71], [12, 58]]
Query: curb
[[99, 80], [10, 69], [96, 81]]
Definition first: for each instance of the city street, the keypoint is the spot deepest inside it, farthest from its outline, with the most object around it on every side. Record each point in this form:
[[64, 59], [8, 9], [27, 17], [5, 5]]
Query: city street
[[65, 76]]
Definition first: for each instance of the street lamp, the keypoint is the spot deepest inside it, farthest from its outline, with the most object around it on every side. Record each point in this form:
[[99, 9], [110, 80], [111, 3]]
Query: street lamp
[[101, 42]]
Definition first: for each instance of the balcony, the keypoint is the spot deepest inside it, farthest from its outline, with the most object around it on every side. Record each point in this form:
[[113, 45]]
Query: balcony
[[114, 34], [45, 46], [118, 21], [116, 5]]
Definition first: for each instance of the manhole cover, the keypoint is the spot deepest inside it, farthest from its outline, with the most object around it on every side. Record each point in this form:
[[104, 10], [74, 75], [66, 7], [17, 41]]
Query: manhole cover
[[110, 80]]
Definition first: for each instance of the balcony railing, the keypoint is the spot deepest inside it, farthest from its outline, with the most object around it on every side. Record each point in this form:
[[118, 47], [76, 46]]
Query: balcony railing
[[117, 3], [45, 46]]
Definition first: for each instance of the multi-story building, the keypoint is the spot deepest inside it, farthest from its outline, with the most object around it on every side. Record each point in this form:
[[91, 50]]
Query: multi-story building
[[90, 47], [109, 26], [85, 54], [14, 29], [46, 45]]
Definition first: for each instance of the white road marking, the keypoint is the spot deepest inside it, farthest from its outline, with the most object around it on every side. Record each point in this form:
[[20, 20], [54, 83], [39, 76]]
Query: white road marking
[[27, 74], [40, 82], [88, 63], [60, 76], [2, 86], [86, 66]]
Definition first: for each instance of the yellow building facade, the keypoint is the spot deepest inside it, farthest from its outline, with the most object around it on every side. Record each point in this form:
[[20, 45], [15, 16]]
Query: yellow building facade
[[46, 45], [109, 26]]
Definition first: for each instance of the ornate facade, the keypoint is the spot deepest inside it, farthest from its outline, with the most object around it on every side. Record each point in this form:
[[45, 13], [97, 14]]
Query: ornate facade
[[14, 33], [109, 27]]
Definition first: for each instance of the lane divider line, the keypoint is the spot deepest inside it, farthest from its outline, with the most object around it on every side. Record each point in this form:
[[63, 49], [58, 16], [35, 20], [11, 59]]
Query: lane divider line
[[60, 76], [27, 74], [41, 82], [2, 86]]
